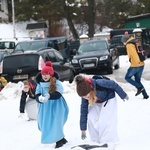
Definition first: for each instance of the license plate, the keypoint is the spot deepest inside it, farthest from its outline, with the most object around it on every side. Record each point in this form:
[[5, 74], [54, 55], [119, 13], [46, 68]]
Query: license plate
[[16, 77], [88, 65]]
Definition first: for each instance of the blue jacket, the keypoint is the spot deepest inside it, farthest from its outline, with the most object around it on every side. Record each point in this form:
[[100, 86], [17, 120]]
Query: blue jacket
[[111, 87]]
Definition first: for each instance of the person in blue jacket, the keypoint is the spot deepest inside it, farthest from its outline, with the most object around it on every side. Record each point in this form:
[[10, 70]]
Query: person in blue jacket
[[53, 109], [99, 108]]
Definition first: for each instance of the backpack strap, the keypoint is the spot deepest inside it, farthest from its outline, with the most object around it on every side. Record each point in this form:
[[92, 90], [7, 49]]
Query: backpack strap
[[100, 88]]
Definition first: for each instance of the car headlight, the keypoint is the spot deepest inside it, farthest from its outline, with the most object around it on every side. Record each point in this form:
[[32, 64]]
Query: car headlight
[[103, 58], [74, 61]]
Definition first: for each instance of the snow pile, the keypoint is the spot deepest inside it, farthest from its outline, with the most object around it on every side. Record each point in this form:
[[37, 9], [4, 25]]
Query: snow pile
[[11, 91]]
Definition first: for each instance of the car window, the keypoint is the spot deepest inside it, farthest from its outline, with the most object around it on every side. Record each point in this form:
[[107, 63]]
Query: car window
[[50, 44], [35, 45], [116, 40], [92, 46], [59, 56], [8, 45]]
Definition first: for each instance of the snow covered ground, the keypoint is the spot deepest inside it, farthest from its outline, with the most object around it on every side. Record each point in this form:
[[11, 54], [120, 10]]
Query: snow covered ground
[[20, 134]]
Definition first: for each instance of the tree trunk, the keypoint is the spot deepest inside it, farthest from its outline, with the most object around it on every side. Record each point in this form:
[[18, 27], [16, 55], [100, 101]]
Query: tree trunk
[[91, 14], [70, 23]]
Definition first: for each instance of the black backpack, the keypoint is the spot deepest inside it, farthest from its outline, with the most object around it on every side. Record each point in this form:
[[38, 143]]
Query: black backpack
[[98, 87]]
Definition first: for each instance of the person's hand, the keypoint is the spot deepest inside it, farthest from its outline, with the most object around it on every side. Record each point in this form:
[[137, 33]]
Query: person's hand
[[47, 95], [126, 98], [21, 115], [42, 99], [83, 135]]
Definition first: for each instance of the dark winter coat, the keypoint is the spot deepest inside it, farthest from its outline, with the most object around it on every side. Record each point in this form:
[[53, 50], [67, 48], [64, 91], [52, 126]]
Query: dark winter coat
[[24, 96], [104, 95]]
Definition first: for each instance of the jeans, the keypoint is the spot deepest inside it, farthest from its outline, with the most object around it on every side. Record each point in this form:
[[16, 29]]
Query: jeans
[[135, 72]]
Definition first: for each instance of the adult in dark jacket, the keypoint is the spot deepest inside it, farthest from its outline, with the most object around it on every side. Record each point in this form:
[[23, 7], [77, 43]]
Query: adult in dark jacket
[[28, 101], [99, 108]]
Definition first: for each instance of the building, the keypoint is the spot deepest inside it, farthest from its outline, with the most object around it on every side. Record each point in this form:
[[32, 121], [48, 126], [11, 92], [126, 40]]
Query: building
[[3, 11], [139, 21], [37, 29]]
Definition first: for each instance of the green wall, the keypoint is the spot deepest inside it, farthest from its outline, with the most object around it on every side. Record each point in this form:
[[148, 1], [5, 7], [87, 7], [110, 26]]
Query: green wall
[[142, 22]]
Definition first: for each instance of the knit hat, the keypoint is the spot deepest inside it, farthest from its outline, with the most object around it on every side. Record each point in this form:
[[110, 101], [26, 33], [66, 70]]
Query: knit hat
[[48, 69], [83, 87], [125, 38]]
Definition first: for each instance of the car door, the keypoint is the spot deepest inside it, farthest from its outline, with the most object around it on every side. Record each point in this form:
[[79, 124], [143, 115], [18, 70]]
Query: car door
[[58, 64]]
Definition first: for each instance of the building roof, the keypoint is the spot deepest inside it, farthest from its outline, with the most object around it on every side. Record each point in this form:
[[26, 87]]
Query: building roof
[[36, 25], [138, 17]]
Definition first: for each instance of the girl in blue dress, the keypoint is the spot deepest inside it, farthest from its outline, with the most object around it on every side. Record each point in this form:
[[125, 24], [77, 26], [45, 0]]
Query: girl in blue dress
[[53, 109]]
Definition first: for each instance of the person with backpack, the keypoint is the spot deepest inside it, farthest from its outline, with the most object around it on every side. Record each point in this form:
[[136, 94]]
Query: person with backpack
[[53, 109], [99, 108], [136, 65], [28, 101]]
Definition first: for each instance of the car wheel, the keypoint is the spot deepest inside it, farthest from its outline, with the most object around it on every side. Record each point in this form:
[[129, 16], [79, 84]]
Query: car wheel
[[110, 70], [116, 66]]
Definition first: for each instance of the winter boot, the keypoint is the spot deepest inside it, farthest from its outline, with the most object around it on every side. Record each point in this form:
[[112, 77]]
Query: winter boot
[[61, 142], [139, 90], [64, 141]]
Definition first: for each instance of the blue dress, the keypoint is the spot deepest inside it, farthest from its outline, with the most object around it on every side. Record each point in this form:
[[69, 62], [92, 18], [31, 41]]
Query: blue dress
[[52, 114]]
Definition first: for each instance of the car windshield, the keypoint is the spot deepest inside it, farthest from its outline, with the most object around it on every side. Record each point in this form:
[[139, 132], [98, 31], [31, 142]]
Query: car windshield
[[93, 46], [35, 45], [116, 40]]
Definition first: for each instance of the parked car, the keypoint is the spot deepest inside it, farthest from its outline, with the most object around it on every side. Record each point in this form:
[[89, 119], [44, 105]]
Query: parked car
[[3, 54], [94, 56], [145, 38], [7, 44], [116, 42], [58, 43], [6, 47], [26, 64]]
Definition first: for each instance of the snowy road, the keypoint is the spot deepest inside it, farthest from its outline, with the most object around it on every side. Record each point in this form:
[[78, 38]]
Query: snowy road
[[119, 74]]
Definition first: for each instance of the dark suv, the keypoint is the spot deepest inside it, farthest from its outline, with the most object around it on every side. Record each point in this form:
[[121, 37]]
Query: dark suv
[[26, 64], [58, 43], [94, 56]]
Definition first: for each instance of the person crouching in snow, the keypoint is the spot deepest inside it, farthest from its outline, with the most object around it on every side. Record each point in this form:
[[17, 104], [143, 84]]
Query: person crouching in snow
[[3, 82], [99, 108], [28, 101], [53, 109]]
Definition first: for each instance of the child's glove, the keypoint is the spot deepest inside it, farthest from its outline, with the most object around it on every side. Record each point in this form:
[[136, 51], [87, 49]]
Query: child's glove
[[83, 135], [126, 98], [47, 95], [42, 99], [21, 115]]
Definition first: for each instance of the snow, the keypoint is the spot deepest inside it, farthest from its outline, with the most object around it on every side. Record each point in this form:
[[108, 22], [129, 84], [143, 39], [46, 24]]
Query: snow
[[20, 134], [20, 29]]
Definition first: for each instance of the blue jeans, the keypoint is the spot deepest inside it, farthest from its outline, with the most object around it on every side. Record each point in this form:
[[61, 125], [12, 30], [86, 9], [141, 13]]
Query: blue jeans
[[135, 72]]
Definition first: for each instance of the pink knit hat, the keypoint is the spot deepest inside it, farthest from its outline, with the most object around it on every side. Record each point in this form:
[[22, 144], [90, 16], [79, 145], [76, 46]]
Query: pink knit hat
[[48, 69]]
